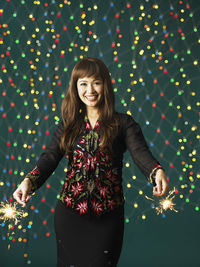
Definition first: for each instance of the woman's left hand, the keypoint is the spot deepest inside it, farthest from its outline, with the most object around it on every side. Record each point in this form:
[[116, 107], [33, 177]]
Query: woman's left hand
[[161, 187]]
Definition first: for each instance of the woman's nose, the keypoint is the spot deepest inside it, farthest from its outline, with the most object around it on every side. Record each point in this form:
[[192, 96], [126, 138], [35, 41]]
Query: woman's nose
[[90, 88]]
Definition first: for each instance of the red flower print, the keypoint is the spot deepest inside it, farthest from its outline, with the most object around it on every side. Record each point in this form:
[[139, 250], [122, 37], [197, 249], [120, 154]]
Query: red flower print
[[97, 124], [76, 189], [79, 165], [111, 204], [111, 176], [92, 182], [82, 141], [87, 164], [35, 172], [108, 173], [68, 200], [80, 153], [108, 158], [82, 207], [65, 184], [104, 191], [74, 159], [93, 161], [96, 206], [97, 182], [87, 126], [102, 154], [71, 173]]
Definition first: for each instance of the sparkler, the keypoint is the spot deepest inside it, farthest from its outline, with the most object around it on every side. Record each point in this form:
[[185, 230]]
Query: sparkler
[[166, 203], [11, 213]]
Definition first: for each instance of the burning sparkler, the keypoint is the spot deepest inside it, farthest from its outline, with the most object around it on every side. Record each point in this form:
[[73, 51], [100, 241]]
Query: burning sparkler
[[11, 213], [166, 203]]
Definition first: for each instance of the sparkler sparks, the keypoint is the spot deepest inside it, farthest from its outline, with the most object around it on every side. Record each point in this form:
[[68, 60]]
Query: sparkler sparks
[[11, 213], [166, 203]]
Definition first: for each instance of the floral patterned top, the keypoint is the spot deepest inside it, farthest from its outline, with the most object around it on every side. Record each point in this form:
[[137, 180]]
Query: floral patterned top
[[93, 183]]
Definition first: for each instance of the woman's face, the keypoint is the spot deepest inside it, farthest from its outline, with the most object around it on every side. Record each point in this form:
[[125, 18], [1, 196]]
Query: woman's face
[[90, 91]]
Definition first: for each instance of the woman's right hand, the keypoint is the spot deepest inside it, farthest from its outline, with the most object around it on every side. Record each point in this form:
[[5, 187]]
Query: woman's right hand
[[21, 194]]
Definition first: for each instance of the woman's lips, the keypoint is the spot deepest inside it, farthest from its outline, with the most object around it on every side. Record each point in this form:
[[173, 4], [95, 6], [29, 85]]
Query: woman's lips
[[91, 98]]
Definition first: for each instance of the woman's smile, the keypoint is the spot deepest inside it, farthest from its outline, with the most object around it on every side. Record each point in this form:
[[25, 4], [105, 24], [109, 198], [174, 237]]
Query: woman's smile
[[90, 91], [91, 97]]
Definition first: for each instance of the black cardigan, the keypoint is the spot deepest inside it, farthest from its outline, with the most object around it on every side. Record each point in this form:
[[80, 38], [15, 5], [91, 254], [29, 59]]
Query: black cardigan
[[129, 137]]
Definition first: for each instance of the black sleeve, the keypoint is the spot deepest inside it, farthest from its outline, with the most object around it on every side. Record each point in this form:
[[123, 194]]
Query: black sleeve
[[48, 160], [138, 148]]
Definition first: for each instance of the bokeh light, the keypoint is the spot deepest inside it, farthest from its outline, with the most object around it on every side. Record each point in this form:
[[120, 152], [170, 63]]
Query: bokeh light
[[152, 53]]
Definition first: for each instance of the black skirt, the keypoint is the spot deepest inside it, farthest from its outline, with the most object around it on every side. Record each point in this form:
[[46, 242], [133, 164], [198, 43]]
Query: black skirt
[[88, 241]]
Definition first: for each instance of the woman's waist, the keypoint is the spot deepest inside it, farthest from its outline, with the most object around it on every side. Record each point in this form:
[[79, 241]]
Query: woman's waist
[[91, 213], [94, 202]]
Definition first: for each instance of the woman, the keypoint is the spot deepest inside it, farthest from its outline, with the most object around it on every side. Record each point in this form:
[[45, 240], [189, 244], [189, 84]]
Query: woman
[[89, 216]]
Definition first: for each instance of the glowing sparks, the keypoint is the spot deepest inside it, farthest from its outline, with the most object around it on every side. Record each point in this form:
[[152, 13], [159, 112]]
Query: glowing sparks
[[11, 213], [166, 203]]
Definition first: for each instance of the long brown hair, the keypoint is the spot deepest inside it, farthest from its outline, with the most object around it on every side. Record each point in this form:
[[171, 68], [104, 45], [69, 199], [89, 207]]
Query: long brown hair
[[73, 109]]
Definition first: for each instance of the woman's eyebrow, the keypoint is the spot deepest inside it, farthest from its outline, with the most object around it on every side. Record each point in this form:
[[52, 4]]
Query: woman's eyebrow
[[97, 79]]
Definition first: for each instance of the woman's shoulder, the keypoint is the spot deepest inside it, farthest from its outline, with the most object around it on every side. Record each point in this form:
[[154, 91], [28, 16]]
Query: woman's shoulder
[[122, 115], [128, 124], [59, 126], [125, 118]]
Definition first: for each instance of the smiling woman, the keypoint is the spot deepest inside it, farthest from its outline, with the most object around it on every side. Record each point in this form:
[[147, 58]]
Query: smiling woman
[[90, 91], [89, 216]]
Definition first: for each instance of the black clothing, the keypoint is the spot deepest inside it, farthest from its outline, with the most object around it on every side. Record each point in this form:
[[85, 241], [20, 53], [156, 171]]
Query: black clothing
[[129, 137], [89, 215], [87, 241]]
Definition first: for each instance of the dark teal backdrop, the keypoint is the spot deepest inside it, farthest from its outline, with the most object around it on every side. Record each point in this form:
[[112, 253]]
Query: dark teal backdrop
[[152, 51]]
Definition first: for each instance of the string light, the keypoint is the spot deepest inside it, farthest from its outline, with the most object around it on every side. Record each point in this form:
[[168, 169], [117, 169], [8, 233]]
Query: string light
[[153, 71]]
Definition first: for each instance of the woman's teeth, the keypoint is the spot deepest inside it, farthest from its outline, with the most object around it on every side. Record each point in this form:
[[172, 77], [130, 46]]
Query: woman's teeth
[[91, 97]]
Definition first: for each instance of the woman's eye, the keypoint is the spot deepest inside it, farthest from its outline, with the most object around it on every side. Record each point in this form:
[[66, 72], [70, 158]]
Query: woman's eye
[[83, 84]]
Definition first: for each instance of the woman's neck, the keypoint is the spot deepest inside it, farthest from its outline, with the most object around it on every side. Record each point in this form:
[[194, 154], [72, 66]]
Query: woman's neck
[[92, 113]]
